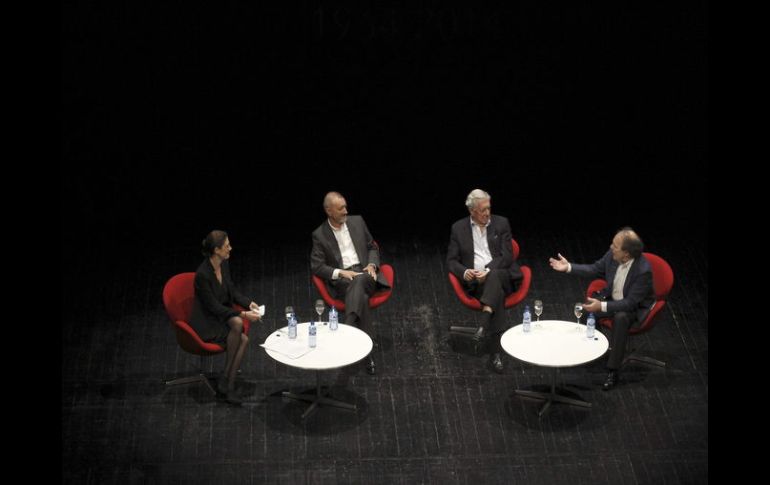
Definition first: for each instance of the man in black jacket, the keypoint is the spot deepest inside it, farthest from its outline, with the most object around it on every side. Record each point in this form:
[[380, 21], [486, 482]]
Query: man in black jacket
[[629, 294], [480, 255]]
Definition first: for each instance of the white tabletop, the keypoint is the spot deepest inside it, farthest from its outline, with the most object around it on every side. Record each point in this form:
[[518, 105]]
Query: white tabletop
[[554, 343], [334, 349]]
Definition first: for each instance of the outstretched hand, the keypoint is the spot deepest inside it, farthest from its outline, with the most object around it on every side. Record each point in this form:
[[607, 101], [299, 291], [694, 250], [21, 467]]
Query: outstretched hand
[[560, 264]]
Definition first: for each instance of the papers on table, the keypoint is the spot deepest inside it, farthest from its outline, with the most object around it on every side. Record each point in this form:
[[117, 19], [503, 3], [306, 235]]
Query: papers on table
[[282, 344]]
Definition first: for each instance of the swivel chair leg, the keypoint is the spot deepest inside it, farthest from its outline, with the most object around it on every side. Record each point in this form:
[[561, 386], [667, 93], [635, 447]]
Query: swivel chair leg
[[631, 355], [646, 360], [187, 380]]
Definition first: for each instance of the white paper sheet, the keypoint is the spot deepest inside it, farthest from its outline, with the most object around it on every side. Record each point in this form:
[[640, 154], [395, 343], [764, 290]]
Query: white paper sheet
[[293, 349]]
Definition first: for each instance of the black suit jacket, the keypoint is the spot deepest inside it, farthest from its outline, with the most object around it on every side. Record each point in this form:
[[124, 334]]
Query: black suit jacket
[[213, 304], [325, 256], [638, 294], [460, 252]]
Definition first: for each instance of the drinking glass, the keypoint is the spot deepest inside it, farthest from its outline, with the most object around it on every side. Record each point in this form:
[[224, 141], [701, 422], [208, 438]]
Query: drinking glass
[[289, 312], [578, 312], [538, 308], [319, 308]]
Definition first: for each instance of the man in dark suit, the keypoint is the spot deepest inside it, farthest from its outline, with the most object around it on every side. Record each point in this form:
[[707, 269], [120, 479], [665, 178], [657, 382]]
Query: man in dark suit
[[628, 296], [345, 256], [480, 255]]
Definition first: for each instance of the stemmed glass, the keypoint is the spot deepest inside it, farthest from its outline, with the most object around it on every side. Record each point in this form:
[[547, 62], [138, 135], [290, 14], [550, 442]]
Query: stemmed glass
[[319, 308], [538, 309], [578, 312]]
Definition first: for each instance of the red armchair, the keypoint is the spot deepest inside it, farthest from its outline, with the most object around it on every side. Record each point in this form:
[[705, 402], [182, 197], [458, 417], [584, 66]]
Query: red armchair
[[178, 297]]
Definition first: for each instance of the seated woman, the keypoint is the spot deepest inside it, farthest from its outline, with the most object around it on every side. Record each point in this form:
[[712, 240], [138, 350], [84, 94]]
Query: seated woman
[[213, 315]]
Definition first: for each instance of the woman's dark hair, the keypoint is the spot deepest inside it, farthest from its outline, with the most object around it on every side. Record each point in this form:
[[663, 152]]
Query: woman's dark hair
[[215, 239]]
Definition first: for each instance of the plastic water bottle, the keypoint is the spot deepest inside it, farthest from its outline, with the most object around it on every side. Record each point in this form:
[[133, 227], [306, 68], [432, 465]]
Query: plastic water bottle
[[527, 318], [333, 318], [590, 325], [311, 331], [292, 326]]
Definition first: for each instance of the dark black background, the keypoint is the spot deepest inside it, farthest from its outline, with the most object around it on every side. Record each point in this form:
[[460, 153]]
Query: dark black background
[[181, 118]]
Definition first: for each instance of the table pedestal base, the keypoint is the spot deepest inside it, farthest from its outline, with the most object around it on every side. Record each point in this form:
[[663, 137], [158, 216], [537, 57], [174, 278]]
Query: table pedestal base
[[552, 397], [317, 399]]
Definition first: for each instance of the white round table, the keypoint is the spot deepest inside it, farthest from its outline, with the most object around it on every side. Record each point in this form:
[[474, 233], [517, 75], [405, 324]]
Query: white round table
[[334, 349], [554, 344]]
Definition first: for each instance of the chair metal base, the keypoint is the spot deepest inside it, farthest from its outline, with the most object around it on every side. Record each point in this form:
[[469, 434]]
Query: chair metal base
[[187, 380], [631, 355], [462, 330], [552, 397], [466, 333], [318, 399], [643, 359]]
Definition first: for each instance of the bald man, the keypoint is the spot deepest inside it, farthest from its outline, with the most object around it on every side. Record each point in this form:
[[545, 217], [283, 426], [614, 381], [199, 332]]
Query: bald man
[[629, 294], [345, 255]]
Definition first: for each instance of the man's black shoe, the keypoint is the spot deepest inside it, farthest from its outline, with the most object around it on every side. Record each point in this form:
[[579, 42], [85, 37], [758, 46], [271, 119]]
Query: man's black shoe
[[497, 363], [370, 366], [612, 379]]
